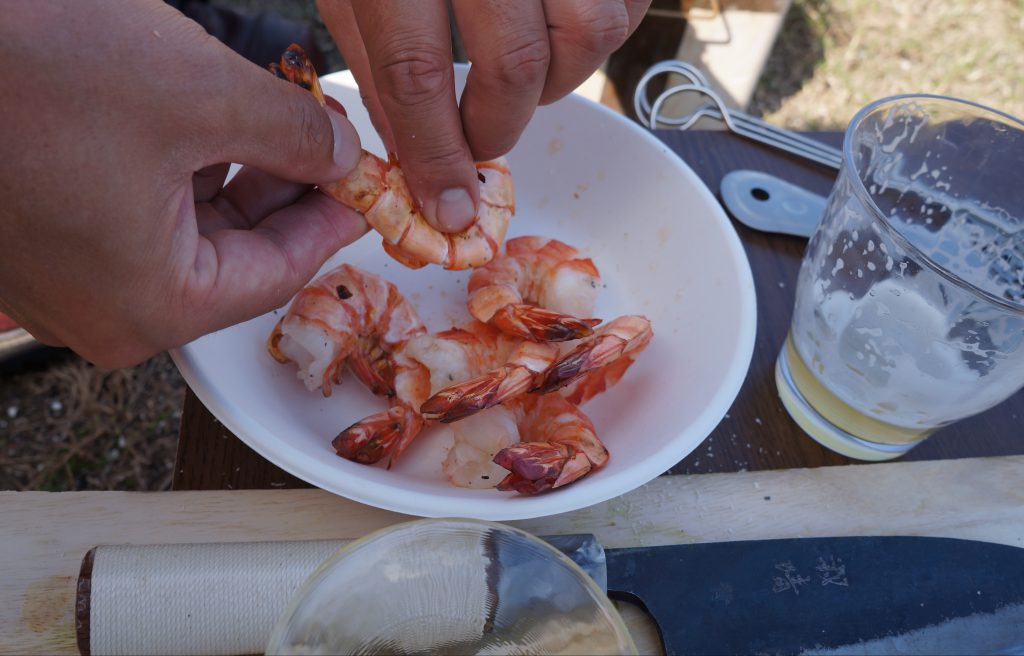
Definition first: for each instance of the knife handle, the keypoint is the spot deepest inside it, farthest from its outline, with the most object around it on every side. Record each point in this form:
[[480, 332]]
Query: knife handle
[[215, 598]]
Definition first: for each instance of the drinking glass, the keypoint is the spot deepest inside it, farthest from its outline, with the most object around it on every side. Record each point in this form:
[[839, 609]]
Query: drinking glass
[[909, 307], [450, 586]]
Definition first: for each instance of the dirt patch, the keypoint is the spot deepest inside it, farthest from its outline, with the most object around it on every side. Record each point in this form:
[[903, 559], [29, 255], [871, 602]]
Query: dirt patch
[[67, 425]]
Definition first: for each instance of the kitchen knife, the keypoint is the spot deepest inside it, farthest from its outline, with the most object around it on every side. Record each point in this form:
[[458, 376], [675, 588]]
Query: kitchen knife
[[763, 202], [922, 595], [907, 595]]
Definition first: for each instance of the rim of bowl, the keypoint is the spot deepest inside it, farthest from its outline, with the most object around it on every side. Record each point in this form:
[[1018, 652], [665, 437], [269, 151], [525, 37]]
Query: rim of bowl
[[603, 601], [865, 198]]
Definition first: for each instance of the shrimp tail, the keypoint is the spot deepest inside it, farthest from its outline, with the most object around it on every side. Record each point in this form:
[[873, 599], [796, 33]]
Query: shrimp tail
[[522, 372], [540, 466], [597, 381], [540, 324], [384, 434], [469, 397], [559, 446], [624, 336]]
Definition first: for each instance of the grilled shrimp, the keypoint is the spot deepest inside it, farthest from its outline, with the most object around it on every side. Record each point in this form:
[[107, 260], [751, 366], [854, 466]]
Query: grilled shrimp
[[427, 363], [536, 290], [345, 316], [558, 445], [595, 363], [388, 433], [528, 445], [378, 189]]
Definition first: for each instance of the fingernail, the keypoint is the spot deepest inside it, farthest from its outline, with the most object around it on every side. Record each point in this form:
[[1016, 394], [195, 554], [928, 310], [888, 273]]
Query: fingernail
[[347, 147], [455, 209]]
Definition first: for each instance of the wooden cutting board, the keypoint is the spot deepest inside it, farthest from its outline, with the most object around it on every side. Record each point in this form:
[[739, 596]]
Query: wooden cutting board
[[45, 535]]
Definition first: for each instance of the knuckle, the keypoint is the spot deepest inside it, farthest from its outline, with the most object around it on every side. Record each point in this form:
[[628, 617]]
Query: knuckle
[[523, 62], [601, 27], [435, 156], [414, 75]]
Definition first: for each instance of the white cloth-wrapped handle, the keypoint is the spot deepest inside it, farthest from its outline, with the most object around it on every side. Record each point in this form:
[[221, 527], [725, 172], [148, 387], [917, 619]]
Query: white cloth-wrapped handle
[[190, 598]]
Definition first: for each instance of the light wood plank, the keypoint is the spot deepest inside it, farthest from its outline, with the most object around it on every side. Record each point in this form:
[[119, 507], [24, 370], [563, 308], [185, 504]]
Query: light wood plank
[[45, 535]]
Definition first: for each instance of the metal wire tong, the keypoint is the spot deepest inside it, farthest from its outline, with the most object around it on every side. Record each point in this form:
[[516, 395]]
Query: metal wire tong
[[650, 115]]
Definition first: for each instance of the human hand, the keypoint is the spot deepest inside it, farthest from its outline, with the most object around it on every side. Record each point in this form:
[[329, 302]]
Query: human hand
[[118, 237], [524, 54]]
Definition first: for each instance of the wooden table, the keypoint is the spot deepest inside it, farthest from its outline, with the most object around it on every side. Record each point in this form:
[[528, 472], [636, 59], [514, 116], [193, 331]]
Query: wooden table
[[756, 434]]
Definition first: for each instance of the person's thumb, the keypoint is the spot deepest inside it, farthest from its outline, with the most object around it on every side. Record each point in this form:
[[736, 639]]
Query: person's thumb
[[281, 128]]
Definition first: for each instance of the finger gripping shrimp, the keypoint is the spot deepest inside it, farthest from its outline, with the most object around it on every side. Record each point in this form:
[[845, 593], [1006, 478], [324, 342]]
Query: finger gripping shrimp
[[345, 316], [378, 189], [536, 290]]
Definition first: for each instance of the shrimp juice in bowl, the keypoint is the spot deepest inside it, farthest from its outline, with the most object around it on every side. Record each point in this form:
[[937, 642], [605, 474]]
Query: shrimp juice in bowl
[[663, 250]]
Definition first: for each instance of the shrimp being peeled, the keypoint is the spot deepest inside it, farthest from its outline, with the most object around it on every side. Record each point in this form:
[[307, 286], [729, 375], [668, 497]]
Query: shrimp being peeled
[[536, 290], [345, 316], [378, 189], [596, 363]]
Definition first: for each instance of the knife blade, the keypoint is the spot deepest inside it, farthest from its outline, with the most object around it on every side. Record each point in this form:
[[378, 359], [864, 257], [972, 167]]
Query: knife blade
[[828, 595]]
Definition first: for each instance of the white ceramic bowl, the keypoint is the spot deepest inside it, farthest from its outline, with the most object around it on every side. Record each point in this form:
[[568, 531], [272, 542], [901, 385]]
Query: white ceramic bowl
[[665, 249]]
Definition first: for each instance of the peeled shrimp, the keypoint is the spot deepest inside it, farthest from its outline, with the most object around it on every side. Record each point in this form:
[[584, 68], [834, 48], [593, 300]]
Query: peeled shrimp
[[378, 189], [345, 316], [595, 363], [558, 445], [536, 290], [475, 441]]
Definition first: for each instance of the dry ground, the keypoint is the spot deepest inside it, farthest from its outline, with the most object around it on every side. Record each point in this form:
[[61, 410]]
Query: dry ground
[[67, 425], [835, 56]]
